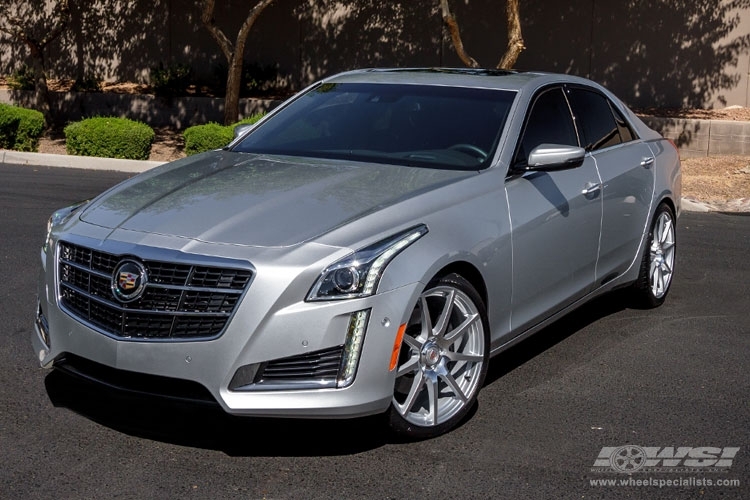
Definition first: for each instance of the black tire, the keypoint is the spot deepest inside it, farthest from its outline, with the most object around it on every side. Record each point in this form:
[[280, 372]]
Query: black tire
[[657, 265], [452, 367]]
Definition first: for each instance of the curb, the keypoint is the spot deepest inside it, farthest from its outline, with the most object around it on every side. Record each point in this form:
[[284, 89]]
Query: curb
[[71, 161], [138, 166]]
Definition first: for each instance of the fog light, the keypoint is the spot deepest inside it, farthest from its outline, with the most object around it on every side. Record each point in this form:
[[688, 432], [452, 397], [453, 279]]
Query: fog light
[[355, 337]]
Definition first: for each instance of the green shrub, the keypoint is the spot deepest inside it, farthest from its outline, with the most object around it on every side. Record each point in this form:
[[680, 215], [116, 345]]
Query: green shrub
[[109, 137], [22, 79], [171, 81], [200, 138], [20, 128]]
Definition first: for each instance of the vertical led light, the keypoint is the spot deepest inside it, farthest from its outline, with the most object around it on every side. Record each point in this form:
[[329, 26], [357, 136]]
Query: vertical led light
[[355, 337]]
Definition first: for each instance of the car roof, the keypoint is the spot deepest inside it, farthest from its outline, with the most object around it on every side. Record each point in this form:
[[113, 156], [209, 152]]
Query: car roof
[[461, 77]]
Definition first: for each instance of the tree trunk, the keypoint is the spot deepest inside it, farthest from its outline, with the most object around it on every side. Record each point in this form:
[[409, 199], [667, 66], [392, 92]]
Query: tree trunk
[[233, 53], [41, 90], [452, 25], [515, 39], [232, 97]]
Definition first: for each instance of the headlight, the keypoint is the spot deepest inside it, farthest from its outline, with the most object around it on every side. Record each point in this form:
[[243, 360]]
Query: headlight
[[60, 217], [358, 274]]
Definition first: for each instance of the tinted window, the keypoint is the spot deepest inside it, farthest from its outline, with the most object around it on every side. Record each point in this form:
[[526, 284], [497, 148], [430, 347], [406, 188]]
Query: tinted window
[[596, 123], [549, 122], [420, 125], [626, 133]]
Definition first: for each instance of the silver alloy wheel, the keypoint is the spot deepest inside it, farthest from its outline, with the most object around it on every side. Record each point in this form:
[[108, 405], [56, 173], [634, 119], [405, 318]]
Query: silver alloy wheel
[[661, 258], [442, 358]]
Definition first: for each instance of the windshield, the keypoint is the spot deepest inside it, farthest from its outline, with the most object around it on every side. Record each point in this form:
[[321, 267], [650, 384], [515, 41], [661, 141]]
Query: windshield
[[416, 125]]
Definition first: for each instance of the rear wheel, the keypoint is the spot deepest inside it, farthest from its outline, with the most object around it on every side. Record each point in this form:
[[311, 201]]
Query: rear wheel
[[657, 266], [443, 360]]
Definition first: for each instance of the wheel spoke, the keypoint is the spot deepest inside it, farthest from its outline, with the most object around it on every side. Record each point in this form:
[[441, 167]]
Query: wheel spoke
[[414, 343], [659, 281], [665, 268], [666, 231], [445, 315], [433, 399], [414, 390], [425, 318], [410, 366], [450, 337], [454, 387], [460, 356], [655, 279]]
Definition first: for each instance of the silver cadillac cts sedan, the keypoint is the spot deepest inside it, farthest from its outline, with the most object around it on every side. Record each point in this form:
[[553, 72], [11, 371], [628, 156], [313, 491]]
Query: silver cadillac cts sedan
[[365, 248]]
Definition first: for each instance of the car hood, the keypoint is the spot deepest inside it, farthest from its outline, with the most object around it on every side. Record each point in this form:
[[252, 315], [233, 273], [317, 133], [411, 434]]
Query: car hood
[[256, 200]]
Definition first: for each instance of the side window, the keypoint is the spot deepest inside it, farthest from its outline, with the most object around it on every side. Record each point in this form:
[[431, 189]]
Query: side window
[[595, 119], [626, 133], [549, 122]]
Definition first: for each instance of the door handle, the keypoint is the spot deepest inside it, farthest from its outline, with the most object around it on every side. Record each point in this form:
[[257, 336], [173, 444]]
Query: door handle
[[647, 161], [591, 188]]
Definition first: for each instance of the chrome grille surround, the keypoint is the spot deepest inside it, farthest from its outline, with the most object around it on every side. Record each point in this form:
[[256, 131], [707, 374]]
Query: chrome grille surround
[[181, 300]]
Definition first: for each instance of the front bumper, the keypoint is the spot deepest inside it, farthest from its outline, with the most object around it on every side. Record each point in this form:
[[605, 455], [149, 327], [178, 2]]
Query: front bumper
[[266, 326]]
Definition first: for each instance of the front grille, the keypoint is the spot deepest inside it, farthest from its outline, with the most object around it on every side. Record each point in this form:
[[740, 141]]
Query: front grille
[[179, 301]]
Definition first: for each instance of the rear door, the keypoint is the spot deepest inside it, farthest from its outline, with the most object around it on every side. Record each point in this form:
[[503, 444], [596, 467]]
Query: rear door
[[625, 165]]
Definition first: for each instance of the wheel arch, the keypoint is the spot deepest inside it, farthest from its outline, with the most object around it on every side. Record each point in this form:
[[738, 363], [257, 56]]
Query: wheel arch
[[470, 273], [669, 202]]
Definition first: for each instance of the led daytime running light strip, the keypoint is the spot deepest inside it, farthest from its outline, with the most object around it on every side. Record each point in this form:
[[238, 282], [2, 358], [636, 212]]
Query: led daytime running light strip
[[355, 337], [374, 274]]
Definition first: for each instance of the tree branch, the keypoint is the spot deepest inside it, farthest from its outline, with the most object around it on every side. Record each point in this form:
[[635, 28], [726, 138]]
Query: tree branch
[[515, 39], [207, 17], [452, 25]]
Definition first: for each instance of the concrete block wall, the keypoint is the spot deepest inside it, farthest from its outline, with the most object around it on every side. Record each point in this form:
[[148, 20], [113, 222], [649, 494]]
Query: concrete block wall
[[704, 137]]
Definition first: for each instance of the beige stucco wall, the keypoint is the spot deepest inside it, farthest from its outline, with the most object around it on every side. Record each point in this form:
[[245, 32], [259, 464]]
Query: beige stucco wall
[[650, 52]]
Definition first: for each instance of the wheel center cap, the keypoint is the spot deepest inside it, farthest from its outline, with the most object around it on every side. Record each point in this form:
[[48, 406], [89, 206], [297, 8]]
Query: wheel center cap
[[431, 355]]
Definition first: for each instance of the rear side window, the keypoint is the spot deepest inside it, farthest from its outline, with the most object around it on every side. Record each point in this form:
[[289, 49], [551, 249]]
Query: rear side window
[[626, 133], [596, 123], [549, 122]]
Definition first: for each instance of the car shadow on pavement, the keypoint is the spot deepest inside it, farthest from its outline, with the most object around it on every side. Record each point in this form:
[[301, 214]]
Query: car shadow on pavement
[[529, 348], [209, 427]]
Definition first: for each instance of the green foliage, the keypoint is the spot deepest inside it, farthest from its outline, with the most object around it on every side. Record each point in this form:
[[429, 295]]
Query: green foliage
[[20, 128], [109, 137], [170, 81], [200, 138], [22, 79]]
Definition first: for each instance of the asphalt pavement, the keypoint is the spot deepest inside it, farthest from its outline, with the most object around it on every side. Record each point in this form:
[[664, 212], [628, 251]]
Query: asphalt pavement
[[605, 376]]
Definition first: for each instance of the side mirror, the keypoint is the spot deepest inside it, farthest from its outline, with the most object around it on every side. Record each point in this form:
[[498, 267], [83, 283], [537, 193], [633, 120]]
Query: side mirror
[[555, 157], [242, 129]]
